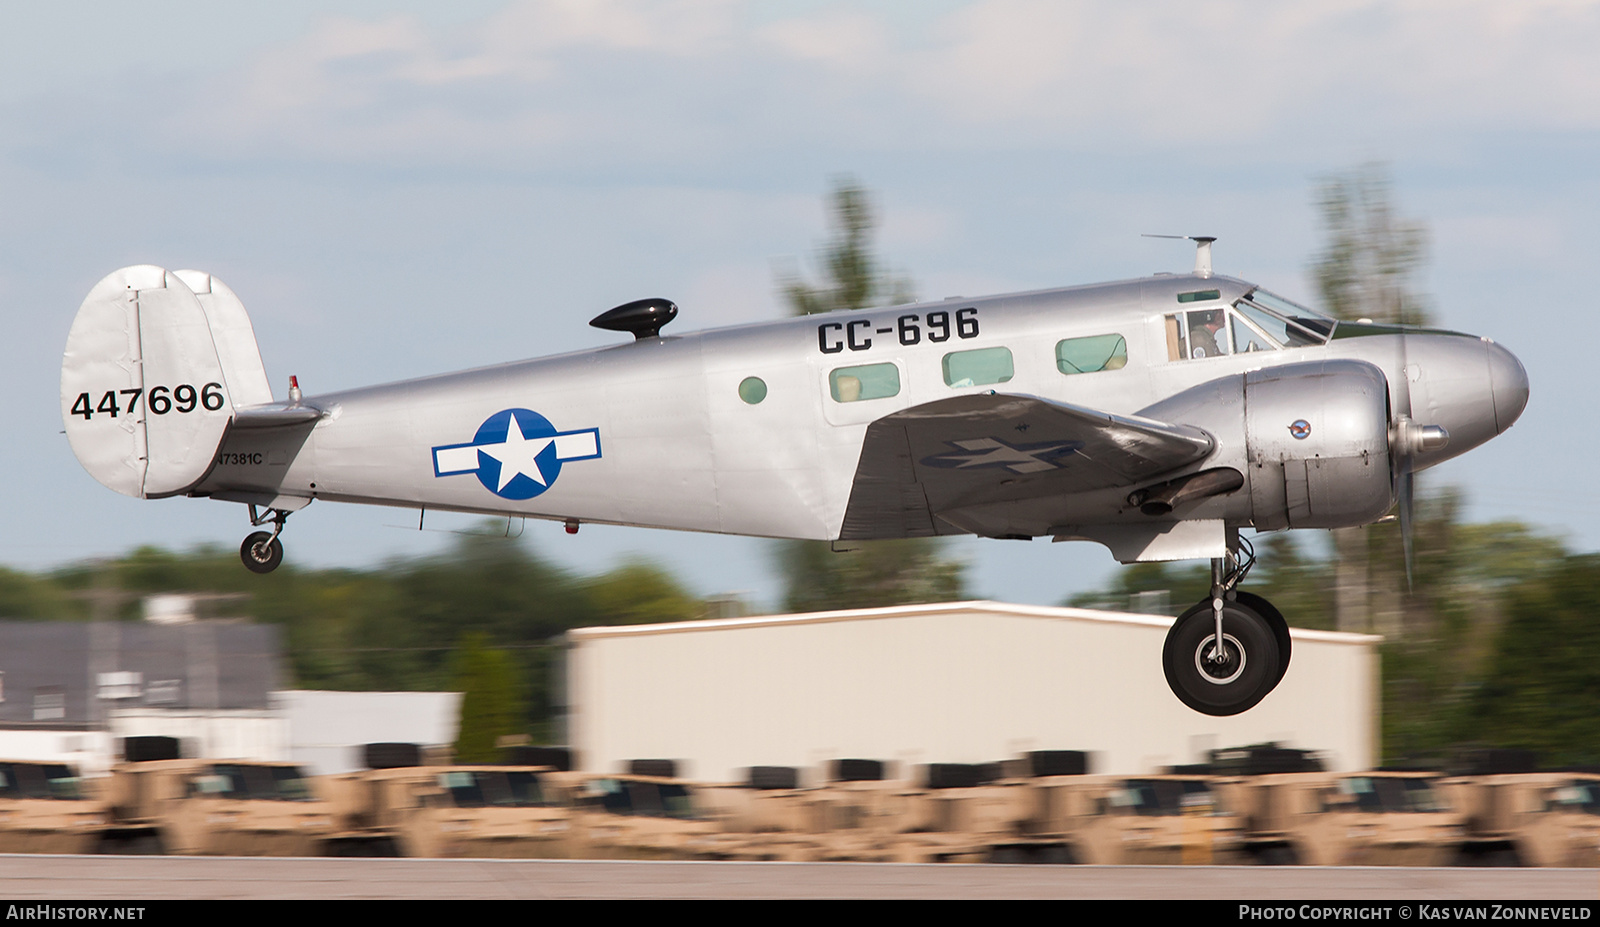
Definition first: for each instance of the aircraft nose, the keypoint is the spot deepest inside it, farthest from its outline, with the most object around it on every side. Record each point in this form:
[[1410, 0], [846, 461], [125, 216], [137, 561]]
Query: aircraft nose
[[1508, 382]]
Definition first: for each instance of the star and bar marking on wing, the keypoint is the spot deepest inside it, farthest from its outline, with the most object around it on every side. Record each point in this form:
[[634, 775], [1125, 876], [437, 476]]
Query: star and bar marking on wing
[[517, 453], [996, 452]]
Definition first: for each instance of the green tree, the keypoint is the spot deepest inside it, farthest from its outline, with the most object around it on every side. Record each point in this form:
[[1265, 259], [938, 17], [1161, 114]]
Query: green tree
[[640, 593], [1366, 270], [854, 279], [491, 700], [1542, 688], [1300, 586], [1371, 256], [1140, 587], [895, 572]]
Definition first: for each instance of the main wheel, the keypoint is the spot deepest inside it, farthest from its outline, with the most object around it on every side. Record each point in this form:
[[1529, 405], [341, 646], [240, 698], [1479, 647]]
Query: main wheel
[[261, 552], [1248, 668], [1280, 627]]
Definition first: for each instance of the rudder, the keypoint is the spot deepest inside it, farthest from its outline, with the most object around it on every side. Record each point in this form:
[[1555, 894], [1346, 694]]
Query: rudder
[[143, 394]]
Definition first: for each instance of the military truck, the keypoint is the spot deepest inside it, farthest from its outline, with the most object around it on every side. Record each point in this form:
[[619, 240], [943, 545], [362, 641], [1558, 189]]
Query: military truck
[[959, 813], [1378, 818], [46, 808], [1546, 819], [216, 807], [635, 816], [415, 802], [1162, 820]]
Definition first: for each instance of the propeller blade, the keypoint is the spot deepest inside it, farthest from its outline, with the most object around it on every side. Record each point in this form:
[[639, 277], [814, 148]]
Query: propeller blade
[[1407, 486], [1407, 497]]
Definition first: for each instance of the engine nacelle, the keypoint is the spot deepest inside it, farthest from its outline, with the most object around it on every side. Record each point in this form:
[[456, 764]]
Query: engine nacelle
[[1317, 442]]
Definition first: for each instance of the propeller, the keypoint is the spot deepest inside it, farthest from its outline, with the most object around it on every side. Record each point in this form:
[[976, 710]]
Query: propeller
[[1407, 440]]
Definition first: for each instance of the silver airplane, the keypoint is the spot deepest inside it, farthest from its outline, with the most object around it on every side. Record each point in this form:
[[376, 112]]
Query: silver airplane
[[1156, 416]]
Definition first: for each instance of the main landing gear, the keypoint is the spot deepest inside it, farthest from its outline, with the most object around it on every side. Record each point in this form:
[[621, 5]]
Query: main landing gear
[[1227, 652], [262, 551]]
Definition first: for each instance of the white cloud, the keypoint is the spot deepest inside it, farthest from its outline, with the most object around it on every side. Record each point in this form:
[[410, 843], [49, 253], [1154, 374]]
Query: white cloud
[[580, 83]]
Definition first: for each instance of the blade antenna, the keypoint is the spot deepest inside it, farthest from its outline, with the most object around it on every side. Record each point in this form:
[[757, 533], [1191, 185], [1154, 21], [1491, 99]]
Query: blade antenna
[[1202, 250]]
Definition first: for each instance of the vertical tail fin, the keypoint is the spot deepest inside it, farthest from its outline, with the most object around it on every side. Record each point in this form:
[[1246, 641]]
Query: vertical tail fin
[[234, 337], [145, 395]]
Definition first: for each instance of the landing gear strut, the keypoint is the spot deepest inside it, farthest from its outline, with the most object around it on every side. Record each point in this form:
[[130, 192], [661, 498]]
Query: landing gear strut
[[262, 551], [1227, 652]]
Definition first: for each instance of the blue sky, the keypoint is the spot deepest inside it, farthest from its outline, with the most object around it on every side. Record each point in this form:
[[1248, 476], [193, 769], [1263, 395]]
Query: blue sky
[[397, 189]]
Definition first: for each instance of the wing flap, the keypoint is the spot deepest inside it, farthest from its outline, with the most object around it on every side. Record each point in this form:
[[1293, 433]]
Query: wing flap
[[972, 450]]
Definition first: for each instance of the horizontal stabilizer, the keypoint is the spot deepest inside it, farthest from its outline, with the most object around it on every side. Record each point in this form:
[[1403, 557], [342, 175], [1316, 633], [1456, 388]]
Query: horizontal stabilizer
[[275, 415]]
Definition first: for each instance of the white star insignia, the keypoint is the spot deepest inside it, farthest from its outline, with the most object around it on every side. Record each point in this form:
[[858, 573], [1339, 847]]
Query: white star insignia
[[518, 455]]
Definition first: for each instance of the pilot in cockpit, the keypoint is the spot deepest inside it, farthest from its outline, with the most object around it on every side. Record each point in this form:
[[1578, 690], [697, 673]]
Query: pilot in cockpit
[[1204, 324]]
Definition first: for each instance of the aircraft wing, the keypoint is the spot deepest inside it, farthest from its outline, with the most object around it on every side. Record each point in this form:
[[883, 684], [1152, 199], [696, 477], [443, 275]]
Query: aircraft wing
[[970, 450]]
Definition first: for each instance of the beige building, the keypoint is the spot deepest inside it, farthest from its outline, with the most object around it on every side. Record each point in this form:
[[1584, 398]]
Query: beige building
[[963, 682]]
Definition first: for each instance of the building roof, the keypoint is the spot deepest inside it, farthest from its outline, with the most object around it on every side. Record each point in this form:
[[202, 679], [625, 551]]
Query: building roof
[[71, 674], [939, 608]]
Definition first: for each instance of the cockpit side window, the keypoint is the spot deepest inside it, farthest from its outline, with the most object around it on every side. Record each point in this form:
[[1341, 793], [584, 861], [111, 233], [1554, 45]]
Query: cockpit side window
[[1248, 335], [1198, 333]]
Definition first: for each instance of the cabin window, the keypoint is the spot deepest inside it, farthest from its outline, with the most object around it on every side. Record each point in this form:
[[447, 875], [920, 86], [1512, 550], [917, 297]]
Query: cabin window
[[978, 367], [869, 381], [752, 390], [1088, 355]]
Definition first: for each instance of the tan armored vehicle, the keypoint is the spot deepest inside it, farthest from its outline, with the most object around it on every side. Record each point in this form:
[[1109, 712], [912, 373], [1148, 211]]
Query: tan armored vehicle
[[224, 807], [1161, 820], [858, 813], [639, 816], [1547, 819], [1376, 819], [413, 801], [769, 816], [219, 807], [961, 813], [1272, 788], [1059, 800], [46, 808], [504, 812]]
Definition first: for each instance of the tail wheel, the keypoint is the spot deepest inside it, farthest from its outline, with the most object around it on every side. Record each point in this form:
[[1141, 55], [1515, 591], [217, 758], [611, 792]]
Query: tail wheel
[[1226, 682], [261, 552]]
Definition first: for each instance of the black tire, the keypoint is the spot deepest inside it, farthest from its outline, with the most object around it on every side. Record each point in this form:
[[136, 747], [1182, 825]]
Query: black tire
[[392, 755], [852, 770], [661, 769], [1058, 763], [148, 748], [559, 758], [261, 552], [774, 778], [1231, 687], [1280, 627], [956, 775]]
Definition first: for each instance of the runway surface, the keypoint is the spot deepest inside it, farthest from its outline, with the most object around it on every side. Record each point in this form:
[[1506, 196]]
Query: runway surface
[[131, 878]]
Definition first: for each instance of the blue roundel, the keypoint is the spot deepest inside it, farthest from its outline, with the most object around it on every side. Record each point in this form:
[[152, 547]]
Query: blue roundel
[[536, 468]]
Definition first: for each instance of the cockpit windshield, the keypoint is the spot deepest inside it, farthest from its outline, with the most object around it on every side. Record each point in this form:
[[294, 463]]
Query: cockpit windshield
[[1259, 321], [1291, 324]]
